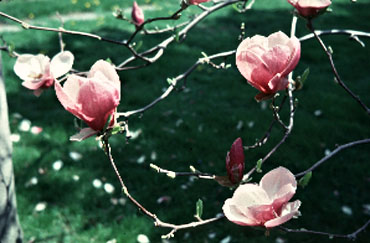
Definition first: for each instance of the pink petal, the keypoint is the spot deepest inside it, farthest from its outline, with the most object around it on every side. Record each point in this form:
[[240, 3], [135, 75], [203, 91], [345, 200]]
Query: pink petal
[[83, 134], [283, 196], [277, 58], [61, 63], [289, 211], [137, 14], [248, 195], [67, 95], [98, 100], [234, 215], [273, 181], [277, 38], [314, 3], [106, 69], [261, 213], [295, 45], [33, 85], [278, 83]]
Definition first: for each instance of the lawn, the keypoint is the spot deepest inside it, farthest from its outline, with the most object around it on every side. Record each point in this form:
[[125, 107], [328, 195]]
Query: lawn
[[193, 126]]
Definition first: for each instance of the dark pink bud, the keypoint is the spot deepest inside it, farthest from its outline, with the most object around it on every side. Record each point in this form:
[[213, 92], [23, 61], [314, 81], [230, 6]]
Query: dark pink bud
[[137, 15], [235, 161]]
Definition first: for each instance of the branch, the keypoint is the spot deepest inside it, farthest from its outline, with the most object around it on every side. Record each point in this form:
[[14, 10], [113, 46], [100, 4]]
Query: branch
[[338, 149], [353, 34], [173, 174], [181, 35], [157, 221], [267, 134], [174, 81], [71, 32], [289, 128], [351, 236], [337, 77]]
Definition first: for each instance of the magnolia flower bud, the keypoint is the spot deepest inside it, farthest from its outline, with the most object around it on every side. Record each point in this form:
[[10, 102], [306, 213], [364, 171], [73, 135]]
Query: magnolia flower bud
[[93, 99], [266, 61], [235, 162], [137, 15], [309, 8]]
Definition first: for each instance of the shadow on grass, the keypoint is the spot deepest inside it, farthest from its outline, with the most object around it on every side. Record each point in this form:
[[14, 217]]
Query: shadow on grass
[[197, 128]]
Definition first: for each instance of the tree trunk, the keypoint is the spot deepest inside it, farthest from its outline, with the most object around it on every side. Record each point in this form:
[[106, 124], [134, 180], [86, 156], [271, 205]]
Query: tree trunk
[[10, 229]]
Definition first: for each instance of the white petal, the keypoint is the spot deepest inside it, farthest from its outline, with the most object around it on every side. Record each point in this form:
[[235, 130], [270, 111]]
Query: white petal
[[31, 67], [61, 63]]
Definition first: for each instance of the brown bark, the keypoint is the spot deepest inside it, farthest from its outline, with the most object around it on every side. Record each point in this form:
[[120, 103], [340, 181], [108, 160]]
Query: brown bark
[[10, 230]]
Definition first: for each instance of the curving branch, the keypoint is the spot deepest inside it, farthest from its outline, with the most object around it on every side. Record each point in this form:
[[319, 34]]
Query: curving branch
[[353, 34], [351, 236], [335, 151], [174, 82], [336, 74]]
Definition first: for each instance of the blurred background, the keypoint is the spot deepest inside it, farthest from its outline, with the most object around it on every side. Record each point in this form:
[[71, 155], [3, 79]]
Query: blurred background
[[68, 192]]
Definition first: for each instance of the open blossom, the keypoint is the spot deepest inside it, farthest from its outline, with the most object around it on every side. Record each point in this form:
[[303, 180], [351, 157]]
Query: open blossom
[[196, 2], [266, 204], [266, 61], [309, 8], [38, 72], [235, 161], [137, 14], [93, 99]]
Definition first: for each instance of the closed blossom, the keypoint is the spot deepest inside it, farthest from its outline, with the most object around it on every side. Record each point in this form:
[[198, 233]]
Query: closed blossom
[[92, 99], [266, 61], [235, 161], [309, 8], [137, 14]]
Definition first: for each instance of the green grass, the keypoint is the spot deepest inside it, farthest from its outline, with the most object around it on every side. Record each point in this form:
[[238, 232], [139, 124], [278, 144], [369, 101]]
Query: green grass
[[196, 127]]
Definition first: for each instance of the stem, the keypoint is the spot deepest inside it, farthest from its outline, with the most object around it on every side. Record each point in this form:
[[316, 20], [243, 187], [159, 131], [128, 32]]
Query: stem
[[336, 74], [351, 236], [339, 148]]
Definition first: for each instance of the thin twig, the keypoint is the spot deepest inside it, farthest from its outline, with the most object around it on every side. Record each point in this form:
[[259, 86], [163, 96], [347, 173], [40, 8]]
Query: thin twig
[[289, 128], [173, 174], [263, 140], [331, 154], [336, 74], [353, 34], [173, 84], [159, 48], [351, 236]]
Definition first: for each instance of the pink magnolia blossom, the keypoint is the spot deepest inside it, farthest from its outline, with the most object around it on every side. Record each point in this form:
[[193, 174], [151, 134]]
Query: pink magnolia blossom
[[38, 73], [266, 61], [196, 2], [309, 8], [137, 14], [93, 99], [235, 161], [265, 204]]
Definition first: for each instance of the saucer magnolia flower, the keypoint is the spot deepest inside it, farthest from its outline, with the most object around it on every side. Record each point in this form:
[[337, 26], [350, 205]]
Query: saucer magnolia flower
[[309, 8], [38, 72], [266, 61], [93, 99], [265, 204], [196, 2], [137, 15], [235, 161]]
